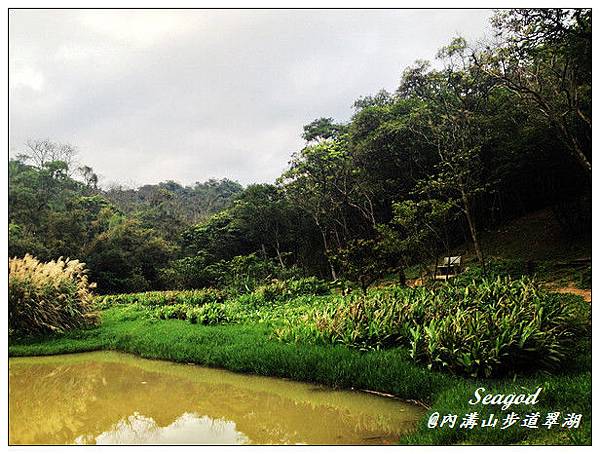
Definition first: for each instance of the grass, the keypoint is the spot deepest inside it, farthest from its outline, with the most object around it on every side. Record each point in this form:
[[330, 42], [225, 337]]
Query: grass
[[251, 348]]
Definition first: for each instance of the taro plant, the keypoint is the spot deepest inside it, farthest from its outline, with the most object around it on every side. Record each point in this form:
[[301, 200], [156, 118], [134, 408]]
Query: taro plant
[[209, 314], [486, 328], [206, 314], [48, 297], [282, 290], [166, 298], [173, 311]]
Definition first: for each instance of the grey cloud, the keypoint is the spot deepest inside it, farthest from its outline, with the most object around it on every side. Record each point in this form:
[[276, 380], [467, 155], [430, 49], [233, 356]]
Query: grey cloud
[[188, 95]]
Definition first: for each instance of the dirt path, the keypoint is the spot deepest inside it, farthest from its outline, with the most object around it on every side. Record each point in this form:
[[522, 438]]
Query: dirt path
[[587, 294]]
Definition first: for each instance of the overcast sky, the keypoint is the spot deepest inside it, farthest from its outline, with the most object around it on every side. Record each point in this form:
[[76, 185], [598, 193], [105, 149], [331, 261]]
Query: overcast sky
[[152, 95]]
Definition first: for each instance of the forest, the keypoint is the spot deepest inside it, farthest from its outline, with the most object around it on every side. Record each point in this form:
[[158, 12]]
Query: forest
[[466, 143], [328, 274]]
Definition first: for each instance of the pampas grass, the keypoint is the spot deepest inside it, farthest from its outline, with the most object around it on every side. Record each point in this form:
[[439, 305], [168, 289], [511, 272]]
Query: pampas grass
[[48, 297]]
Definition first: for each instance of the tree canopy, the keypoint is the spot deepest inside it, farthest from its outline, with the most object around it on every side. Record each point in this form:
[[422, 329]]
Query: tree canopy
[[484, 134]]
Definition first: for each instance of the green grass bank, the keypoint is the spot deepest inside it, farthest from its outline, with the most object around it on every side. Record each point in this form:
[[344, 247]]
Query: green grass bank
[[252, 348]]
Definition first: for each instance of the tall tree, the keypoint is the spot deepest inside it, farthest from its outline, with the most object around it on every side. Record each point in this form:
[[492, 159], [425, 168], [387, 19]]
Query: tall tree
[[322, 129], [265, 217], [44, 151], [450, 120], [545, 57]]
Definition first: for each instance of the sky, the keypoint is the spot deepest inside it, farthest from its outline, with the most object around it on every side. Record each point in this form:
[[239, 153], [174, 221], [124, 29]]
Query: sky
[[188, 95]]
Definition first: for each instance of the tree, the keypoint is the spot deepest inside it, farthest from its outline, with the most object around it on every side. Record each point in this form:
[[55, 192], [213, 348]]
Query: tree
[[220, 238], [450, 120], [312, 183], [89, 177], [265, 217], [387, 157], [171, 204], [127, 257], [44, 151], [544, 56], [322, 129], [416, 230], [366, 260]]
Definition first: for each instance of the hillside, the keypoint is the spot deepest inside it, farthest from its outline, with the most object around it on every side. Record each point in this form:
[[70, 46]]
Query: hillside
[[535, 236], [564, 264]]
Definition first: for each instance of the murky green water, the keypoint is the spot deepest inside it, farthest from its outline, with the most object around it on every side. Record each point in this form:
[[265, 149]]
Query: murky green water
[[113, 398]]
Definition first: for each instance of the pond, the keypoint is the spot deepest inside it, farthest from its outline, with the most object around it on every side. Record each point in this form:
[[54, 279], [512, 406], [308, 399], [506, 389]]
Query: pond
[[115, 398]]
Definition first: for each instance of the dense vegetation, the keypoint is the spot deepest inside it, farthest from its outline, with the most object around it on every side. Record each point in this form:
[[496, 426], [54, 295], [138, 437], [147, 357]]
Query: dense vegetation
[[48, 297], [484, 328], [306, 278], [484, 135], [253, 337]]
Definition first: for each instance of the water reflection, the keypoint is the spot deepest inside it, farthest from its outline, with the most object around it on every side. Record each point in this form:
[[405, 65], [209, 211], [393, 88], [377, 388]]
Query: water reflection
[[187, 428], [111, 398]]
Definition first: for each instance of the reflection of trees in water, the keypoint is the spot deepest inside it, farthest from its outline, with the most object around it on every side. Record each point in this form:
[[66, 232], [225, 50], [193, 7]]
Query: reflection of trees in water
[[46, 403], [57, 403]]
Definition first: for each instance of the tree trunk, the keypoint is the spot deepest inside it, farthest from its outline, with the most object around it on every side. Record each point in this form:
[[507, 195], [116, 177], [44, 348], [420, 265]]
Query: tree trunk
[[278, 253], [401, 277], [571, 142], [472, 229], [326, 247]]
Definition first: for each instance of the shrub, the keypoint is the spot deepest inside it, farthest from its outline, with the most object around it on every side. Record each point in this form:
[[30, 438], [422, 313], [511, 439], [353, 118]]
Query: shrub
[[166, 298], [48, 297], [244, 273], [308, 286], [274, 291], [485, 328], [173, 311], [584, 278], [186, 273], [209, 314], [251, 300], [241, 274], [281, 290]]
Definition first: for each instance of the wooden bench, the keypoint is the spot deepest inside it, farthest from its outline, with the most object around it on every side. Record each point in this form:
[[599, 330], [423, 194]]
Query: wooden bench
[[449, 267]]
